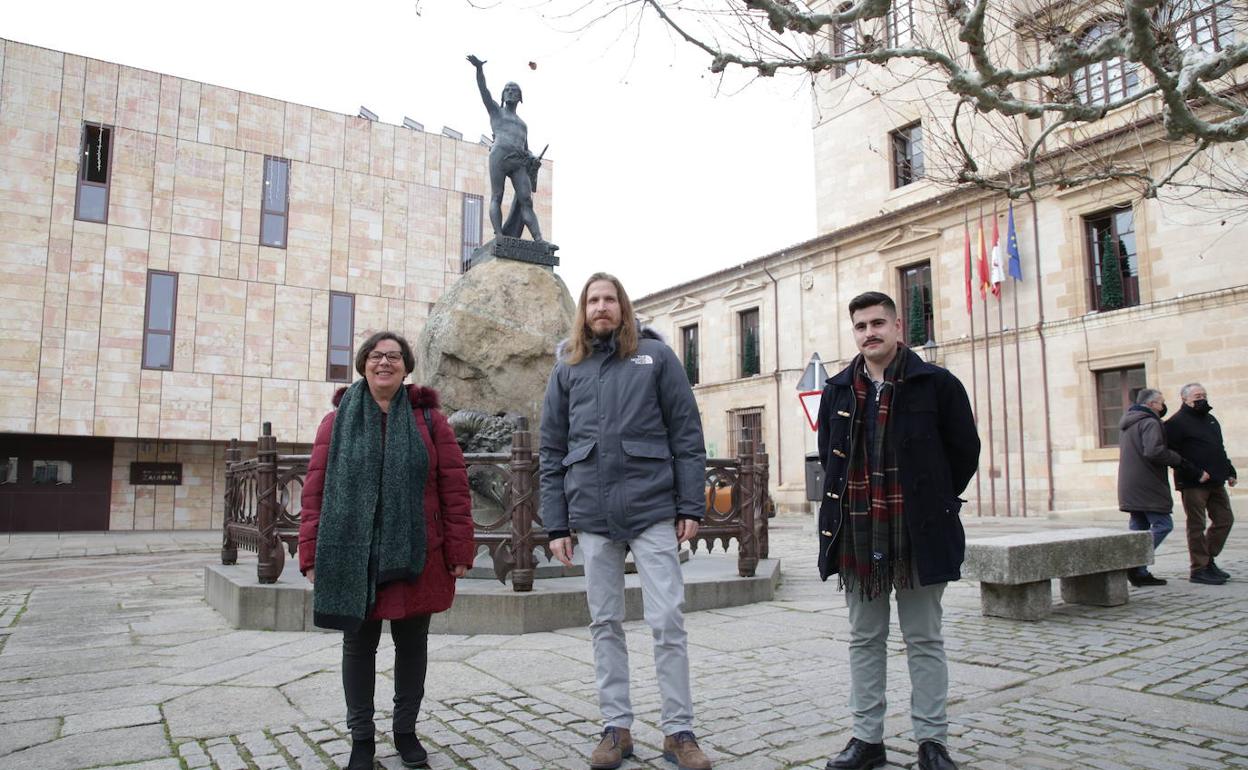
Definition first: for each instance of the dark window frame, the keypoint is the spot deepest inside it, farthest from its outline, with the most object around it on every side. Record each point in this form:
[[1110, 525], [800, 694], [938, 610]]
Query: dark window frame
[[694, 375], [906, 151], [467, 244], [330, 347], [265, 211], [171, 332], [1220, 20], [1112, 71], [737, 419], [899, 23], [906, 276], [844, 42], [108, 171], [1130, 282], [1107, 430], [743, 330]]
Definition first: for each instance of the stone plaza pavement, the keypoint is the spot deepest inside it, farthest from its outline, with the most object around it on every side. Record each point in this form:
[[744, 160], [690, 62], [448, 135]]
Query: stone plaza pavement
[[109, 657]]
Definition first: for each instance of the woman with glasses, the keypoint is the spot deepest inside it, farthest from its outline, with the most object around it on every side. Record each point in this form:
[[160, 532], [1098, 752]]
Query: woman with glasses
[[385, 530]]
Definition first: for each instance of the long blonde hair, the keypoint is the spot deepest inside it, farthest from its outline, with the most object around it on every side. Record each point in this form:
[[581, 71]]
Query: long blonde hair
[[581, 344]]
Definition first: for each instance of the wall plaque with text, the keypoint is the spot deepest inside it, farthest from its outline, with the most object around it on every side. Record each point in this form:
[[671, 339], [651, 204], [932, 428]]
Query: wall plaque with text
[[156, 473]]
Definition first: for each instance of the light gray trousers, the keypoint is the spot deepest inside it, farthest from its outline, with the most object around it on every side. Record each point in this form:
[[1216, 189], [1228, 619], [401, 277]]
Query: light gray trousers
[[663, 595], [919, 611]]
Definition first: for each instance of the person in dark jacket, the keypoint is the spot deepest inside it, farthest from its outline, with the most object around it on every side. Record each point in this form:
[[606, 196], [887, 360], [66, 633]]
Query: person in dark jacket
[[385, 530], [898, 444], [1196, 434], [1143, 490], [623, 464]]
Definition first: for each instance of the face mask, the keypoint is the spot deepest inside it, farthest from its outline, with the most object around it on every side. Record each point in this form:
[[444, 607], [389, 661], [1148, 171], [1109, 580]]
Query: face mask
[[1163, 411], [1201, 406]]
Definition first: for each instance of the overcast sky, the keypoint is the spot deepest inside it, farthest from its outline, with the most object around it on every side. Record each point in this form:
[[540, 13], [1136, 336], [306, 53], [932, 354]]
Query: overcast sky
[[664, 173]]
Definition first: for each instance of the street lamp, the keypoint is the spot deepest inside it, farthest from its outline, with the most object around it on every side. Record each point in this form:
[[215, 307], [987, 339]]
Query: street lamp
[[929, 351]]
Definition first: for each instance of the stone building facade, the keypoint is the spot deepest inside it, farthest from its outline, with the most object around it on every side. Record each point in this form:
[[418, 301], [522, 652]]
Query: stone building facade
[[183, 262], [1048, 388]]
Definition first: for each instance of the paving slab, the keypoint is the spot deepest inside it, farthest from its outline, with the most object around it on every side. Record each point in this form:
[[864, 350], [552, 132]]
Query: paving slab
[[1160, 682]]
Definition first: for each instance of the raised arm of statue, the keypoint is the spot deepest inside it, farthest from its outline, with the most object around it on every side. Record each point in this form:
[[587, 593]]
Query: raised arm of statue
[[491, 106]]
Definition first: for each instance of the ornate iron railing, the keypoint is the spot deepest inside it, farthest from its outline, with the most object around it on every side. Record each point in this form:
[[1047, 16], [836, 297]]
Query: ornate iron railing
[[262, 506]]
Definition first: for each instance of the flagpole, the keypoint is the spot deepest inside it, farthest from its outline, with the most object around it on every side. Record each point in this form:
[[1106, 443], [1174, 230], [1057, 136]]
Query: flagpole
[[1005, 403], [970, 304], [983, 294], [1018, 373]]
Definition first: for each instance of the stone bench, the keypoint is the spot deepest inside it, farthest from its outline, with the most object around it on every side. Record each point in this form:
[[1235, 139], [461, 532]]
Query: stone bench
[[1015, 570]]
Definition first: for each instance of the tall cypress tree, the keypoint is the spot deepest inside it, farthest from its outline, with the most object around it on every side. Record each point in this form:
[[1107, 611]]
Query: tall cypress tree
[[749, 354], [917, 332], [1111, 273]]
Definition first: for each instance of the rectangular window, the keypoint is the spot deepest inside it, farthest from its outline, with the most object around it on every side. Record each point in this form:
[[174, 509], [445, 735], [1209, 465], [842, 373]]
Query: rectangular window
[[471, 238], [1206, 25], [1113, 265], [275, 202], [160, 319], [907, 144], [94, 172], [747, 322], [1116, 390], [341, 334], [916, 304], [900, 20], [8, 470], [58, 472], [844, 43], [689, 351], [745, 424]]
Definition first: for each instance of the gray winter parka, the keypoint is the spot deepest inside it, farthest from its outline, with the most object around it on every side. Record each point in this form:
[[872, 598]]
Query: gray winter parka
[[621, 442], [1142, 460]]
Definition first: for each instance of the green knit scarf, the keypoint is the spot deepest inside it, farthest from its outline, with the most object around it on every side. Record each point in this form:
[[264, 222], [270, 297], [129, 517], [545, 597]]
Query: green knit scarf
[[372, 527]]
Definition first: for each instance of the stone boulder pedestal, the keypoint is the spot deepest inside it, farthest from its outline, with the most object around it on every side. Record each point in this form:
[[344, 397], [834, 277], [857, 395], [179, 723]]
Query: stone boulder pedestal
[[489, 343]]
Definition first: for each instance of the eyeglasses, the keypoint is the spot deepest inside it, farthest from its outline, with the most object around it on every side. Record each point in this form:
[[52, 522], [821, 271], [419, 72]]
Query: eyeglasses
[[393, 356]]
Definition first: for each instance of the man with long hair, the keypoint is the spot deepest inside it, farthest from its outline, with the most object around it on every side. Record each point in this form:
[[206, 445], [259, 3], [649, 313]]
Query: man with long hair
[[623, 464]]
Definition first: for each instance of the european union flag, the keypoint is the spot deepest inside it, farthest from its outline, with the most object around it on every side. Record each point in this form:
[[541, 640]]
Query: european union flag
[[1011, 248]]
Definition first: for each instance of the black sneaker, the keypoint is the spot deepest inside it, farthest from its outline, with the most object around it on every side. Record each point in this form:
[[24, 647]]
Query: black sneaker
[[1215, 569], [1206, 576], [858, 755], [1147, 579], [410, 751]]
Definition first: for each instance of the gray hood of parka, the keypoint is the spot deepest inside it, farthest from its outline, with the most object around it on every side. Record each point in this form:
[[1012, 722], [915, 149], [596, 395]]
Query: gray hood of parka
[[621, 442]]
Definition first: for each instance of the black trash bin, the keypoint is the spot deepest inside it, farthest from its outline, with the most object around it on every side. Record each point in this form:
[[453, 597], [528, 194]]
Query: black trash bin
[[814, 477]]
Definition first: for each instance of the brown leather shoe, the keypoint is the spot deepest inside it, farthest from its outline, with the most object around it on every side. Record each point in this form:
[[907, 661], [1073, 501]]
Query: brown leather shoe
[[682, 748], [615, 746]]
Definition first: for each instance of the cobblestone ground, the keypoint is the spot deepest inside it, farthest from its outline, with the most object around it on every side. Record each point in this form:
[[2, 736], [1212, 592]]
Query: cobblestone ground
[[116, 661]]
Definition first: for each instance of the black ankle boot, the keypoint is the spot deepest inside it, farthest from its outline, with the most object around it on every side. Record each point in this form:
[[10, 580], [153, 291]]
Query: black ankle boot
[[410, 750], [362, 753]]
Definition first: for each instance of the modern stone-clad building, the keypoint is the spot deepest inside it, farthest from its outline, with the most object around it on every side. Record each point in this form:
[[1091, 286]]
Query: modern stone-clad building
[[1048, 408], [181, 262]]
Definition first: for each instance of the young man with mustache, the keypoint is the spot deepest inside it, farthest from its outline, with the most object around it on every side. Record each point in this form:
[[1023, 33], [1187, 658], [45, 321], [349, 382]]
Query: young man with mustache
[[898, 444]]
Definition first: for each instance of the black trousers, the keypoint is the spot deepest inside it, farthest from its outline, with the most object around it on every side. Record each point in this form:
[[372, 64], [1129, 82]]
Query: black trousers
[[359, 673]]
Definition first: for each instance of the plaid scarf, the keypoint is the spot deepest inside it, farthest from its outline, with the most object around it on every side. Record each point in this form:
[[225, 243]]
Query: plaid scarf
[[875, 551]]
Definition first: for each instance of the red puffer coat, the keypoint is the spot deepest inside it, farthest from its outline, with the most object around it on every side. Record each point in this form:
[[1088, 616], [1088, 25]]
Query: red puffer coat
[[448, 513]]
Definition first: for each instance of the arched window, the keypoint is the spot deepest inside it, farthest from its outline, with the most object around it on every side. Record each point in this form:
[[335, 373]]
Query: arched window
[[1106, 81]]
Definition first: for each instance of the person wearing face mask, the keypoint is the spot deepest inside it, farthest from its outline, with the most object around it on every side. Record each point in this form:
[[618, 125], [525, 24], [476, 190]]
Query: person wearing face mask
[[1143, 491], [1196, 434]]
